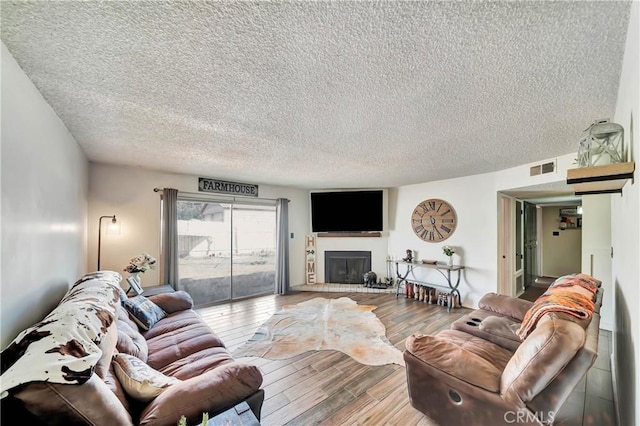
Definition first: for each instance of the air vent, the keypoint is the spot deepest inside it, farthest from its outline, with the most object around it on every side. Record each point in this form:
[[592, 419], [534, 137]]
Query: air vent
[[548, 167], [541, 169], [535, 170]]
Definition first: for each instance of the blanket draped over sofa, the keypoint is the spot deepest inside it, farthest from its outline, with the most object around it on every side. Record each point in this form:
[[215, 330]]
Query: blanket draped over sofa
[[56, 350]]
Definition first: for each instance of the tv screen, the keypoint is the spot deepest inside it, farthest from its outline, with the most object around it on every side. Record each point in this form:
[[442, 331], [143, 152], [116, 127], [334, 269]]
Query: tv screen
[[346, 211]]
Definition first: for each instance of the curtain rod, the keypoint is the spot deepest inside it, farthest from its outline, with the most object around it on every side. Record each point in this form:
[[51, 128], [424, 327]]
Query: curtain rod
[[205, 195]]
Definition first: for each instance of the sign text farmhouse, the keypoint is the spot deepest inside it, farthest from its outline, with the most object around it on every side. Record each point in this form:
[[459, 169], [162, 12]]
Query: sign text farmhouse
[[224, 187]]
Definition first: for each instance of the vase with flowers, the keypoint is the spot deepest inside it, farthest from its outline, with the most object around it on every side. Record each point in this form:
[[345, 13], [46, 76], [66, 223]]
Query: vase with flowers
[[449, 251], [139, 265]]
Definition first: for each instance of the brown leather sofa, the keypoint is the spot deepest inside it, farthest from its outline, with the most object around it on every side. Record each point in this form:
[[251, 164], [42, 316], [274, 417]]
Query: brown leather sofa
[[479, 372], [180, 345]]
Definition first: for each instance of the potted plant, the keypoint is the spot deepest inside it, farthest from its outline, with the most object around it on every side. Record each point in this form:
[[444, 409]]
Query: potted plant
[[449, 251]]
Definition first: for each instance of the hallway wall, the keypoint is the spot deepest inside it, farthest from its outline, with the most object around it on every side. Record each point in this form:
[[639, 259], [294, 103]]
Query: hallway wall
[[561, 254]]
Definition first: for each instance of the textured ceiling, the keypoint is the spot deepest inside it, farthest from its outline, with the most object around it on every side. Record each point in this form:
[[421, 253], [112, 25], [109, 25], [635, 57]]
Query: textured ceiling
[[322, 94]]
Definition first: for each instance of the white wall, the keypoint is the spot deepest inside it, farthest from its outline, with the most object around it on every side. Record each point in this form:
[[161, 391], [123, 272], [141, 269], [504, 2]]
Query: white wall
[[44, 190], [474, 199], [128, 193], [561, 254], [596, 250], [625, 235]]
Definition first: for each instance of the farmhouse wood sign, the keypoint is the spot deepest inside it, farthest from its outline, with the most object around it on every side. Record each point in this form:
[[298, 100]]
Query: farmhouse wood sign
[[225, 187]]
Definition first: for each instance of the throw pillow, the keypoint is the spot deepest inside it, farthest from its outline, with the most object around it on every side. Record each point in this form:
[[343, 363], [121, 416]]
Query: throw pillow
[[140, 381], [144, 312], [173, 302]]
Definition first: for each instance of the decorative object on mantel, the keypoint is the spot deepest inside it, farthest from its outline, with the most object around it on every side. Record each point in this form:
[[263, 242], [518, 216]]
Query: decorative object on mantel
[[429, 261], [139, 265], [409, 257], [600, 143], [449, 251]]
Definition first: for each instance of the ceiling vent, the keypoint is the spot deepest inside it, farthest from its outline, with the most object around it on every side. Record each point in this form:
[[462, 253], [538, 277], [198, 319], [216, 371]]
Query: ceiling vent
[[535, 170], [548, 167], [541, 169]]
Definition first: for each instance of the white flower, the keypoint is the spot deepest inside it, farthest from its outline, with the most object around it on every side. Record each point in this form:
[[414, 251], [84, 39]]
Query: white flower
[[141, 263]]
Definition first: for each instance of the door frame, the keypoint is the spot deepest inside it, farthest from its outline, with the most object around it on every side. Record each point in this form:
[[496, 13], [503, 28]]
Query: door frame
[[506, 245]]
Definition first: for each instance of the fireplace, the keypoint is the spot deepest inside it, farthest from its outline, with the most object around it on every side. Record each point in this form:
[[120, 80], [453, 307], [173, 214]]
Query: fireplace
[[346, 267]]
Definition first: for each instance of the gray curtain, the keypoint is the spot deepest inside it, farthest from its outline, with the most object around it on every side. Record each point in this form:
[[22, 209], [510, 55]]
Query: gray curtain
[[282, 246], [170, 237]]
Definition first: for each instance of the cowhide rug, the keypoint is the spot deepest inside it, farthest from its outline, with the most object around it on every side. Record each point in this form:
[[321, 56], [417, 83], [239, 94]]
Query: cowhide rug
[[323, 324]]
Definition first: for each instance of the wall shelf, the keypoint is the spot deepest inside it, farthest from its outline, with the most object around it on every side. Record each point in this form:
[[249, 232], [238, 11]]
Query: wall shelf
[[606, 179]]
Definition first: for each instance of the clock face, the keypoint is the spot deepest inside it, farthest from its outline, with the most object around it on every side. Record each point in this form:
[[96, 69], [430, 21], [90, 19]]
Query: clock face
[[434, 220]]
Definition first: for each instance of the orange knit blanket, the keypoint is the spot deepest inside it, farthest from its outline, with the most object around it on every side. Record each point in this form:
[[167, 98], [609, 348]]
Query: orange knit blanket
[[556, 299], [582, 280]]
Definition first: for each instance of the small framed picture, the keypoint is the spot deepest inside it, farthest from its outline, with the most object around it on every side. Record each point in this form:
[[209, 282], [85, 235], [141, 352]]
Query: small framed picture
[[134, 284]]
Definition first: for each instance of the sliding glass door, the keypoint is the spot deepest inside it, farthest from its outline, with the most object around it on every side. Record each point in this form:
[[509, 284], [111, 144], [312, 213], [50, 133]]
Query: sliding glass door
[[226, 250]]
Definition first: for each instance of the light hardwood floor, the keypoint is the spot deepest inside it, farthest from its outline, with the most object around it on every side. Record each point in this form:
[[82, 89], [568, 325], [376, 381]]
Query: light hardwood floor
[[328, 387]]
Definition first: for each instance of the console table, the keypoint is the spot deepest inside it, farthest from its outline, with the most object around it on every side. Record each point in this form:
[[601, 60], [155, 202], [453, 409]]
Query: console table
[[444, 269]]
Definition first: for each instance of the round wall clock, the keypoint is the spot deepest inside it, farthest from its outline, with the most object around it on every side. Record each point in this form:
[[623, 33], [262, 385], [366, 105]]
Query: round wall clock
[[434, 220]]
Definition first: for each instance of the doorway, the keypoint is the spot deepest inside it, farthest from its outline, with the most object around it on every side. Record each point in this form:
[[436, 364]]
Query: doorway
[[523, 231], [226, 250]]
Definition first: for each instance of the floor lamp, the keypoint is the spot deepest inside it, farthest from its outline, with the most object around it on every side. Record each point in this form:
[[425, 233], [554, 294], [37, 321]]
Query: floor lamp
[[113, 223]]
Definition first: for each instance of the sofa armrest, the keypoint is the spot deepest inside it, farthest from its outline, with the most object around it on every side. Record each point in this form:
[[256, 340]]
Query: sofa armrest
[[173, 302], [213, 391], [505, 305]]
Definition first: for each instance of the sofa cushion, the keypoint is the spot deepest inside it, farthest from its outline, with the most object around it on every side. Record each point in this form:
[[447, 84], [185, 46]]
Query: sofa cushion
[[211, 392], [466, 357], [140, 381], [197, 363], [130, 341], [490, 326], [144, 312], [178, 336]]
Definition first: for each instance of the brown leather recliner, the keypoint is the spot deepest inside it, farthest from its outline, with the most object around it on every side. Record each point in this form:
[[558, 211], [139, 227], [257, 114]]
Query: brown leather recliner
[[480, 373]]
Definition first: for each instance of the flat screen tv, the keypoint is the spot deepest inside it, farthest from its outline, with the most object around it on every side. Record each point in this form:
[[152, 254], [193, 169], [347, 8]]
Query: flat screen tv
[[346, 211]]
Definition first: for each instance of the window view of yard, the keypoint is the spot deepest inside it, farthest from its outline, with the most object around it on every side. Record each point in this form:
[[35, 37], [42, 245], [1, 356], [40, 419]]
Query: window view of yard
[[225, 251]]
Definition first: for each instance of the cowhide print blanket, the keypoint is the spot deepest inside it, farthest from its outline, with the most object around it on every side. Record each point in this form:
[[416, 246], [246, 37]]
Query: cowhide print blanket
[[323, 324], [63, 348]]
